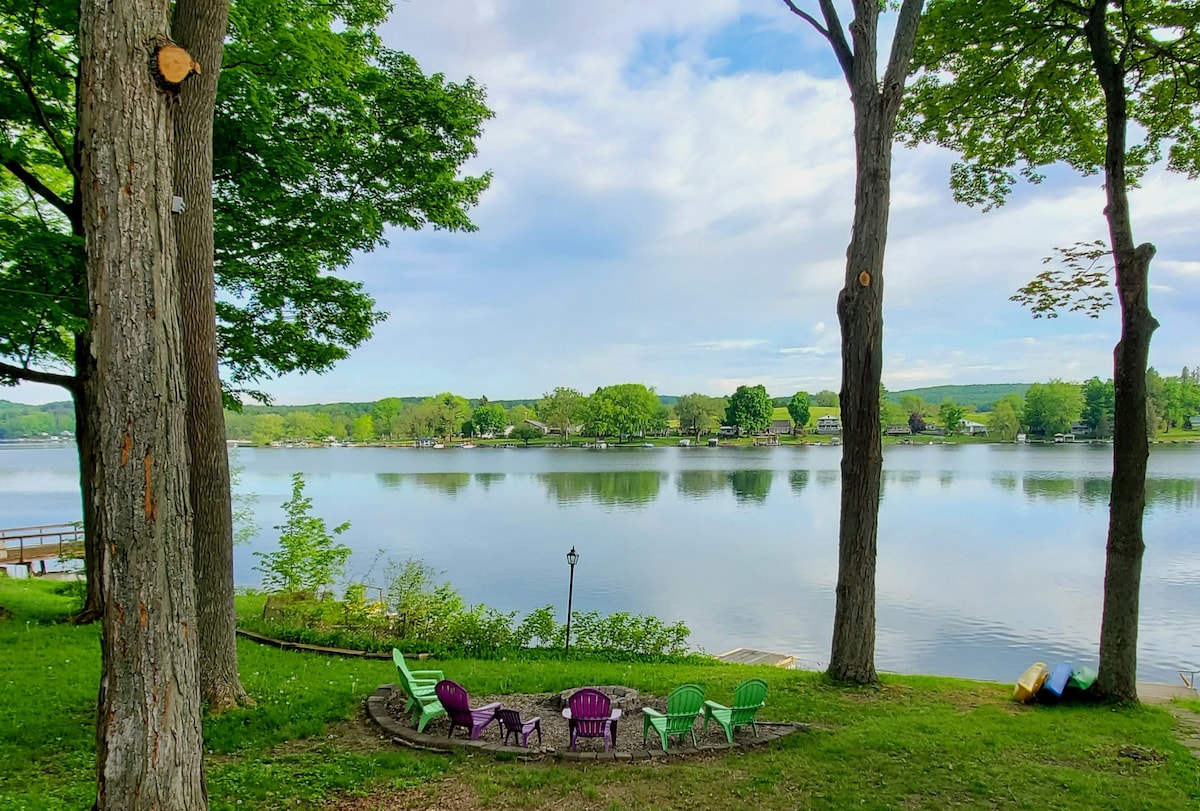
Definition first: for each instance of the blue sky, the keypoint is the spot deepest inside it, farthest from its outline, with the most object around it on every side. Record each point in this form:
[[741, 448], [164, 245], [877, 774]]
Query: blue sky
[[671, 206]]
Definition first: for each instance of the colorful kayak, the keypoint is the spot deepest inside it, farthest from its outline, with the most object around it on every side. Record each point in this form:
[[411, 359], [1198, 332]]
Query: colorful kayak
[[1057, 681], [1082, 679], [1031, 681]]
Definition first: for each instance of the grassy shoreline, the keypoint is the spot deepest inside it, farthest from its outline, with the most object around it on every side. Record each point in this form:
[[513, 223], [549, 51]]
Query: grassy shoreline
[[914, 742]]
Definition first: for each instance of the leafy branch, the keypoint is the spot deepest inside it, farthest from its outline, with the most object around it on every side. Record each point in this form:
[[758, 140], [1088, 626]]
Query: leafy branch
[[1080, 286]]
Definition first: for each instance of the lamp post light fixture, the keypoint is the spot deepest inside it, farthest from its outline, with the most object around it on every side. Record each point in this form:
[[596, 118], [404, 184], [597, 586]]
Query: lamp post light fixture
[[572, 559]]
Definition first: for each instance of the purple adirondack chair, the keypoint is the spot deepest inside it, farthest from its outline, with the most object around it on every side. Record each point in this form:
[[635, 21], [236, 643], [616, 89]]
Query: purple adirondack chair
[[457, 703], [589, 714], [511, 723]]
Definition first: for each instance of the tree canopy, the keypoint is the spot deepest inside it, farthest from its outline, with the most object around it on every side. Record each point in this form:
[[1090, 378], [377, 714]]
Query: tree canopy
[[798, 409], [750, 409], [698, 413], [624, 410], [1011, 86], [1050, 408], [950, 415], [562, 409], [323, 139]]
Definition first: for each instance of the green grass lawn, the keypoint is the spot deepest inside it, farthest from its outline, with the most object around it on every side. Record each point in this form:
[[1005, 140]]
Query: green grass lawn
[[913, 743]]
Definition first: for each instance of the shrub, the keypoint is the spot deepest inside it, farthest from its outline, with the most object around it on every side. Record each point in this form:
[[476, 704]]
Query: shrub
[[423, 615], [308, 558]]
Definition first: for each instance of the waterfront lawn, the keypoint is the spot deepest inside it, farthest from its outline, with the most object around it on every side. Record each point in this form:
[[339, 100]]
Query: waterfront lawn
[[916, 742]]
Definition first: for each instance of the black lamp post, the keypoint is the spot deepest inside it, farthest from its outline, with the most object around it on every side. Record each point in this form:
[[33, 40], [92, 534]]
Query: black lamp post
[[572, 559]]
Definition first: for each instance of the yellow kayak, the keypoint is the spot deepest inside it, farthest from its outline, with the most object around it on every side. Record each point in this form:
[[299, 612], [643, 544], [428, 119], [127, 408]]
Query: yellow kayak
[[1031, 681]]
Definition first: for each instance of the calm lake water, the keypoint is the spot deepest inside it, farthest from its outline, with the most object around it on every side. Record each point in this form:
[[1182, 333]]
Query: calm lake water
[[990, 556]]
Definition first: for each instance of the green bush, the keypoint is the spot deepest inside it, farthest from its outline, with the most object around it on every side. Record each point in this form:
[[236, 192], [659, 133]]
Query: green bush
[[308, 559], [421, 615]]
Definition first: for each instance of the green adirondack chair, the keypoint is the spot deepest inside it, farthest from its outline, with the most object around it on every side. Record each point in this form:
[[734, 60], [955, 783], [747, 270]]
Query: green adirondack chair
[[418, 685], [683, 706], [748, 698]]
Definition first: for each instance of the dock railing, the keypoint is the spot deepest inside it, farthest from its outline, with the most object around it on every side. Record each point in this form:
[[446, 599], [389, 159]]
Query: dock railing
[[23, 545]]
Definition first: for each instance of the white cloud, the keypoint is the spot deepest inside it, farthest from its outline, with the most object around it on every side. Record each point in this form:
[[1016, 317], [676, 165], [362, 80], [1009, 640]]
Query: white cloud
[[722, 346]]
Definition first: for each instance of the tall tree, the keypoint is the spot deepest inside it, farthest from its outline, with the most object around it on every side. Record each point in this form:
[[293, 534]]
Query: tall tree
[[199, 26], [149, 745], [1004, 423], [950, 415], [1015, 86], [1098, 403], [449, 413], [1050, 408], [750, 409], [43, 318], [798, 409], [354, 133], [876, 104], [488, 419], [698, 412], [624, 409], [561, 409], [385, 411]]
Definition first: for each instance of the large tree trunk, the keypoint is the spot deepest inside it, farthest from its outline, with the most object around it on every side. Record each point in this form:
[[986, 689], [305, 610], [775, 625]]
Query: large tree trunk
[[84, 399], [860, 313], [149, 746], [1117, 677], [200, 28]]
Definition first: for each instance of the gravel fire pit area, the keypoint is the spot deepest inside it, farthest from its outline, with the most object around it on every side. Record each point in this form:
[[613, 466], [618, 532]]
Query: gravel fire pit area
[[386, 708]]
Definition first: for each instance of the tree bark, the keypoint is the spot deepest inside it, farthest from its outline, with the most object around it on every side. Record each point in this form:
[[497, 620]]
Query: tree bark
[[860, 313], [200, 28], [1117, 677], [84, 399], [149, 746]]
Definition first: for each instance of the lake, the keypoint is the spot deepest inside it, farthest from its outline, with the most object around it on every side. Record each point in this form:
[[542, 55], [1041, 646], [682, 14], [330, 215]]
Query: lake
[[990, 556]]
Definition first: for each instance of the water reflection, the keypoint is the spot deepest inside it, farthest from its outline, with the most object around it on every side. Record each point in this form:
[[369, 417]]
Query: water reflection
[[624, 488], [798, 479], [700, 483], [827, 479], [1094, 490], [486, 480], [751, 485], [1179, 493], [1005, 481], [637, 488], [447, 484]]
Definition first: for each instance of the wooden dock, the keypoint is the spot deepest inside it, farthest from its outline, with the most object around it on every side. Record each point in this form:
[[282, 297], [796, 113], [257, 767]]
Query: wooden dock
[[1152, 693], [747, 656], [24, 546]]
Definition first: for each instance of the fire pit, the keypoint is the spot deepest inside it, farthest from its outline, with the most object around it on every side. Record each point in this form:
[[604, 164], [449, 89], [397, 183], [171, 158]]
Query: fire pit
[[623, 698]]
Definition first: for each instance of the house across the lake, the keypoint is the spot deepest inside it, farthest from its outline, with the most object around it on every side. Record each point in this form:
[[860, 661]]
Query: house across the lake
[[780, 427], [829, 424], [972, 428]]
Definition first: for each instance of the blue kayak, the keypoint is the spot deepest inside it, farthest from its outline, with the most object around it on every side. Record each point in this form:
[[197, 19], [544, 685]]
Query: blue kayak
[[1058, 680]]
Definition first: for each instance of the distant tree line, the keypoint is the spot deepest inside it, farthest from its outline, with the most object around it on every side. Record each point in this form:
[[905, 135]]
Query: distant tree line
[[1057, 407], [629, 410]]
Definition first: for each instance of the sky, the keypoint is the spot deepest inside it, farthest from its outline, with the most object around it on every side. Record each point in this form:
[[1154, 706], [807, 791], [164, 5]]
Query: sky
[[671, 205]]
